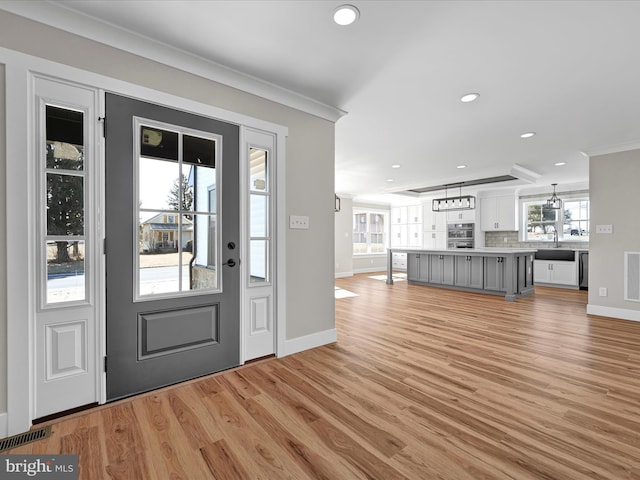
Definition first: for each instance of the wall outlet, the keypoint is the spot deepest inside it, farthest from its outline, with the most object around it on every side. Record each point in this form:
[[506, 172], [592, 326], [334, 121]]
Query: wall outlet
[[602, 291], [506, 239], [299, 222]]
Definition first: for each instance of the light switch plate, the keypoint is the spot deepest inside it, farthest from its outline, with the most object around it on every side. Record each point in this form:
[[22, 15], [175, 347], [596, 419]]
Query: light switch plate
[[604, 229], [299, 222]]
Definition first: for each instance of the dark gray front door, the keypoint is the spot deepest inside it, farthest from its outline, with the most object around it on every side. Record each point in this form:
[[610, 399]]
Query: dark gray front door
[[172, 243]]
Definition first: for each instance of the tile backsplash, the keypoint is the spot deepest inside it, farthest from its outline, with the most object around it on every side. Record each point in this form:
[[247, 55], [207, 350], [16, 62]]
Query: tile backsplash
[[497, 239]]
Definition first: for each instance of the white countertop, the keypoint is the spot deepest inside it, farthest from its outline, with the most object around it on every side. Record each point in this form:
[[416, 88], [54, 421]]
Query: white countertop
[[463, 251]]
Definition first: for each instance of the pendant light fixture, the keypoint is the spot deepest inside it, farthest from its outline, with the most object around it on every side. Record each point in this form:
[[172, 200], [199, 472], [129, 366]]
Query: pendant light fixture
[[554, 202], [461, 202]]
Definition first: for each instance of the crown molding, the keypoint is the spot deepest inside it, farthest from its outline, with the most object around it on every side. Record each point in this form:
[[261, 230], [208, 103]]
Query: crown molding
[[605, 150], [68, 20]]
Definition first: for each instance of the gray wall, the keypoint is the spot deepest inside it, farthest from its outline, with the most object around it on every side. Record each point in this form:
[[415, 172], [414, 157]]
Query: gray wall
[[309, 163], [613, 193]]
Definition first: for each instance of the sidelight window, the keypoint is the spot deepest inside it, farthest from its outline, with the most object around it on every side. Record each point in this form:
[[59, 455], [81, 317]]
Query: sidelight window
[[64, 202], [259, 216]]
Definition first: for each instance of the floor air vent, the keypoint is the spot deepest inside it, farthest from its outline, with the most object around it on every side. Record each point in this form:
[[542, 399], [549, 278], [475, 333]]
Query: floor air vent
[[24, 438], [632, 276]]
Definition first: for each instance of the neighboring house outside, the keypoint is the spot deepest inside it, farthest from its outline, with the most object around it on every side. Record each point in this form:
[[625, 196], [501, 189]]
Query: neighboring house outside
[[160, 234]]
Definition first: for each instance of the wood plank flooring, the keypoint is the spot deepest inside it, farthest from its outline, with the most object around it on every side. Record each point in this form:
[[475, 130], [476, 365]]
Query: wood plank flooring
[[423, 383]]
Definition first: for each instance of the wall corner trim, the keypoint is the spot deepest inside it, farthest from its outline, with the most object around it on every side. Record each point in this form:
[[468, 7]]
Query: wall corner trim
[[4, 429], [621, 313], [307, 342]]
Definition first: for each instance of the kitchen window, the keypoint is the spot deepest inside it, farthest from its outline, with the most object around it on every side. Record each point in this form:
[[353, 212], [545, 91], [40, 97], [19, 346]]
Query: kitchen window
[[369, 232], [544, 224]]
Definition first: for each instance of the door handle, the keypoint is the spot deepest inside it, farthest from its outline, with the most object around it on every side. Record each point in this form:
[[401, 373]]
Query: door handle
[[230, 263]]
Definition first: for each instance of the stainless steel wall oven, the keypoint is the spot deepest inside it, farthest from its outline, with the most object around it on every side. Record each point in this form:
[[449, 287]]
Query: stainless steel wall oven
[[460, 235]]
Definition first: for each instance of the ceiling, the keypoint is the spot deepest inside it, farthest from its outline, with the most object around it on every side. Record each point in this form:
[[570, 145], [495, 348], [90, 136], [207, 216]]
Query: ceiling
[[567, 70]]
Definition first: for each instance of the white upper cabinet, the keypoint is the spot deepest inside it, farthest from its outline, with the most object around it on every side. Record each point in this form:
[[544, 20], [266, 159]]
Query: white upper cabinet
[[499, 213], [399, 216], [461, 216], [414, 214], [406, 226], [433, 221]]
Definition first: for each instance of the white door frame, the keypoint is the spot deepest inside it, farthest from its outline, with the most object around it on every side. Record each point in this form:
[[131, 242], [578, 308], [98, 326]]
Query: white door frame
[[21, 291]]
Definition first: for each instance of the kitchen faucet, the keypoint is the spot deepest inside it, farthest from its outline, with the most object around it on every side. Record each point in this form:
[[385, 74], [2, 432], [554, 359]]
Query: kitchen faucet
[[555, 237]]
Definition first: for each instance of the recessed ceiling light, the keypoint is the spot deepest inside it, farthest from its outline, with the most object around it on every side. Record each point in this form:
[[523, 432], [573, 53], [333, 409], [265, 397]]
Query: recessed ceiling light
[[461, 166], [559, 164], [527, 135], [469, 97], [395, 165], [389, 179], [345, 15]]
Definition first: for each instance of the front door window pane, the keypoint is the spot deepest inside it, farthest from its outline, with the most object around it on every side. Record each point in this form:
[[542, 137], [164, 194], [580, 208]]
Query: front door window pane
[[159, 185], [199, 189], [177, 213], [158, 143]]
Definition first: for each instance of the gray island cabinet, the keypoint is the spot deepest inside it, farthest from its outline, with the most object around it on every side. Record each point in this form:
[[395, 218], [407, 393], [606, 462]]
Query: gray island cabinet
[[497, 271]]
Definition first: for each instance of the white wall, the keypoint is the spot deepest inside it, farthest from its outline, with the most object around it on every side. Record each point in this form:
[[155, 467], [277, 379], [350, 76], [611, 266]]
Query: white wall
[[613, 194], [309, 164]]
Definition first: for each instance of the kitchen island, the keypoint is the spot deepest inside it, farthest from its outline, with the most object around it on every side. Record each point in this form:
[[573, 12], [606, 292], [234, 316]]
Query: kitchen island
[[496, 271]]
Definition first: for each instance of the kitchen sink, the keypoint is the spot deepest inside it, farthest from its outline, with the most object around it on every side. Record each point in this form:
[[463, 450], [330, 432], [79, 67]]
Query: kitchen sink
[[561, 254]]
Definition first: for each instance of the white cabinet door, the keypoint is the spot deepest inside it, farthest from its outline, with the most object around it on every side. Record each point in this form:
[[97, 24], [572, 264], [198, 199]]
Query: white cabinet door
[[488, 219], [414, 214], [499, 213], [557, 273], [435, 240], [414, 235], [434, 221], [564, 273], [461, 216], [398, 215], [541, 271], [399, 235], [506, 213]]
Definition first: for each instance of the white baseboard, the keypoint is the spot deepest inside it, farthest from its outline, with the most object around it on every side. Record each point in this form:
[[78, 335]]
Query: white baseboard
[[307, 342], [4, 428], [622, 313], [371, 270], [343, 274]]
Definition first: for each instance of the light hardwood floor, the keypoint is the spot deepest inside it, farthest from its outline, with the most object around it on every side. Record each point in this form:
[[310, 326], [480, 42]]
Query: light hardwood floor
[[423, 383]]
